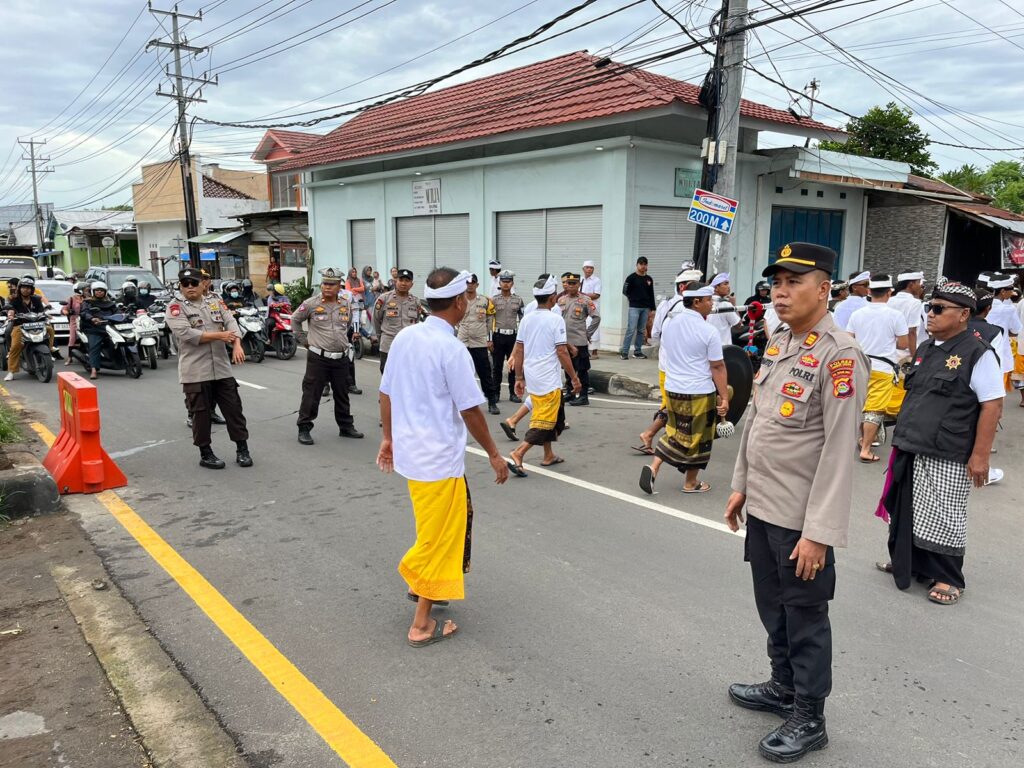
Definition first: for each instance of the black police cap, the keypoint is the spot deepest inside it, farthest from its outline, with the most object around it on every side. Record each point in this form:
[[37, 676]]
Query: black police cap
[[405, 273], [571, 277], [803, 257], [190, 273]]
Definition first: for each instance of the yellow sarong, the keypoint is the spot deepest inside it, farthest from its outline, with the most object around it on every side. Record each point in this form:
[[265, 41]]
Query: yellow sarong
[[880, 389], [434, 566], [545, 410], [1017, 377], [664, 394], [899, 392]]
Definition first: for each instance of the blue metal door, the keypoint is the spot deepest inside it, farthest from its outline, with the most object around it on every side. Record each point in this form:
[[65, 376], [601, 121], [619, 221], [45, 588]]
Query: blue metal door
[[806, 225]]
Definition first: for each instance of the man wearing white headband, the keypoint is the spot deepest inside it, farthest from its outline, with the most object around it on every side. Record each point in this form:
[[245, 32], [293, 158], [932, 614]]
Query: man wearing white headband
[[696, 391], [428, 398], [1004, 315], [541, 354], [494, 267], [858, 298], [907, 300], [591, 288], [723, 322], [882, 332]]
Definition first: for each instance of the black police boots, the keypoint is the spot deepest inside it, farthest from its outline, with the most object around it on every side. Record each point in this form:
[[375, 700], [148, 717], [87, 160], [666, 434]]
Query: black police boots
[[304, 437], [242, 457], [581, 400], [354, 390], [350, 432], [764, 697], [492, 408], [216, 418], [208, 459], [803, 732]]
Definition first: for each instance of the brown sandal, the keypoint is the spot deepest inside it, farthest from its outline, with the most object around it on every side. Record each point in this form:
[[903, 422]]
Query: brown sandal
[[953, 593]]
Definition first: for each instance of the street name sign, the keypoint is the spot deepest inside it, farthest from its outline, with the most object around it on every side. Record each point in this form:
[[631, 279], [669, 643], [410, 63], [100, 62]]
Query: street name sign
[[712, 211]]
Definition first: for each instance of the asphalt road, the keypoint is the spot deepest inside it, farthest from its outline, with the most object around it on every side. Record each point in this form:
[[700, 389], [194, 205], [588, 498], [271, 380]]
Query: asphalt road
[[597, 631]]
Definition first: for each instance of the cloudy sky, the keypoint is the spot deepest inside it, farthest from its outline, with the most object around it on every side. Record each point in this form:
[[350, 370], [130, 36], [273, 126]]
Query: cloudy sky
[[77, 73]]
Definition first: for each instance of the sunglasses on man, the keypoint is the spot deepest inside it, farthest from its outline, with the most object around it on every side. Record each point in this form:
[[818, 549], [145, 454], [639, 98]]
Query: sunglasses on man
[[189, 283], [938, 309]]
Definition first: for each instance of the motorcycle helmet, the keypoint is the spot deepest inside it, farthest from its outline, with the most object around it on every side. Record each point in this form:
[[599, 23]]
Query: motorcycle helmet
[[80, 287], [99, 285], [279, 289], [131, 279], [128, 290], [247, 284], [27, 280], [144, 288], [232, 290]]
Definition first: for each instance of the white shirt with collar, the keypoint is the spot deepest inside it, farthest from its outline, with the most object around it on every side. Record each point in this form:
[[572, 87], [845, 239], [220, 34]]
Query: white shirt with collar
[[845, 309], [909, 306], [1004, 315], [876, 327], [688, 345], [430, 380], [541, 333], [724, 323]]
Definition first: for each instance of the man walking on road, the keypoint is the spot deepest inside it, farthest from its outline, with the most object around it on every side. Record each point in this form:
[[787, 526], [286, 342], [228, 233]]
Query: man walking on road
[[541, 354], [508, 311], [394, 311], [202, 327], [639, 292], [1004, 315], [858, 298], [428, 398], [794, 477], [695, 389], [723, 321], [329, 316], [475, 332], [582, 321]]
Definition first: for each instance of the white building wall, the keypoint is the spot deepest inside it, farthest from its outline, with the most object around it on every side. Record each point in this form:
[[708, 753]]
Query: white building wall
[[215, 212], [160, 236]]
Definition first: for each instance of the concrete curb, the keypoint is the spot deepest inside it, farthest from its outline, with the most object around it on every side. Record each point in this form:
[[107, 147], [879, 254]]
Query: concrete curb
[[27, 488], [620, 385]]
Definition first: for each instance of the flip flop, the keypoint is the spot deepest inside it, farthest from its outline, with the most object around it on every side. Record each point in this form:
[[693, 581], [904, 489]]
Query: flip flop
[[515, 469], [556, 460], [645, 450], [510, 433], [952, 593], [872, 460], [416, 599], [647, 480], [884, 567], [701, 487], [437, 636]]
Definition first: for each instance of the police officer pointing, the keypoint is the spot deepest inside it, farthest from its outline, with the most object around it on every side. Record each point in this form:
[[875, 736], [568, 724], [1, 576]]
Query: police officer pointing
[[794, 477], [329, 318], [203, 325]]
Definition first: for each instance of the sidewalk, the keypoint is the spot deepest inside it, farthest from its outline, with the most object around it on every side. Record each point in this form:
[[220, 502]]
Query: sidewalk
[[612, 375]]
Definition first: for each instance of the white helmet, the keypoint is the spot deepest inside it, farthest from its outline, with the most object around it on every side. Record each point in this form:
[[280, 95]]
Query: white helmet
[[99, 285]]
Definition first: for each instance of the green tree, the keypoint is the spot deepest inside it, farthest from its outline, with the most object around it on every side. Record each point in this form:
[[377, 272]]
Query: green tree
[[966, 177], [887, 133], [122, 207]]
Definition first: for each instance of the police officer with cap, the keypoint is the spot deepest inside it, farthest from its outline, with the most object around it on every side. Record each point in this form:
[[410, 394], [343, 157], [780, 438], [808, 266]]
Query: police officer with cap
[[202, 326], [508, 311], [794, 479], [394, 310], [329, 317], [577, 309]]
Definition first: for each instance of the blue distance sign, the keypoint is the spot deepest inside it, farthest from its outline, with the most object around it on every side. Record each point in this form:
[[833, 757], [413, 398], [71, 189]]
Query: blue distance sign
[[712, 211]]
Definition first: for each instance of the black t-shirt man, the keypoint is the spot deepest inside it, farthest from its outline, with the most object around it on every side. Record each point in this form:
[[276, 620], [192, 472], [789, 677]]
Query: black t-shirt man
[[639, 287]]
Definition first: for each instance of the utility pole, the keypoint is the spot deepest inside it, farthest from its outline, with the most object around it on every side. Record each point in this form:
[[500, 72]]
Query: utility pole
[[811, 89], [713, 251], [37, 214], [181, 95]]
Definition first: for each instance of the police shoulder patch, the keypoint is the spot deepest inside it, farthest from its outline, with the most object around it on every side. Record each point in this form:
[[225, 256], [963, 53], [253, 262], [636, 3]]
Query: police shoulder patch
[[174, 309], [841, 371]]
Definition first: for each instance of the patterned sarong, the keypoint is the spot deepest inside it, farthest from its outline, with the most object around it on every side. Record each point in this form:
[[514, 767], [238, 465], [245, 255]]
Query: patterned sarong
[[434, 566], [689, 432], [547, 419]]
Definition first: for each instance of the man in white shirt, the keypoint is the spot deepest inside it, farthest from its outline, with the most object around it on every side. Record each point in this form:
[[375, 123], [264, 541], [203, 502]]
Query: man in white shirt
[[591, 288], [858, 298], [1004, 315], [696, 391], [881, 332], [494, 267], [723, 322], [428, 398], [541, 354], [907, 300]]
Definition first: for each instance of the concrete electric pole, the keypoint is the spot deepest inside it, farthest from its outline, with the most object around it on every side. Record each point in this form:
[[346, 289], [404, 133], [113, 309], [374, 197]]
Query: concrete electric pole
[[37, 214], [180, 94], [714, 252]]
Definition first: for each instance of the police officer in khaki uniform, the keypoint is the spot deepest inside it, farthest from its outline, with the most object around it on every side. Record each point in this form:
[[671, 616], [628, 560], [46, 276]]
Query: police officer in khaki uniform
[[794, 477], [576, 308], [475, 332], [202, 326], [508, 311], [329, 317], [394, 310]]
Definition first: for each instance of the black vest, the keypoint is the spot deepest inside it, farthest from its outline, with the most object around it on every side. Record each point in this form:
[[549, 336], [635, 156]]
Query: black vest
[[985, 330], [939, 416]]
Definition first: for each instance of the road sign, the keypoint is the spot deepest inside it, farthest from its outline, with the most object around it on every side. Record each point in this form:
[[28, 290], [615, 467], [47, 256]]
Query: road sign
[[712, 211], [108, 242]]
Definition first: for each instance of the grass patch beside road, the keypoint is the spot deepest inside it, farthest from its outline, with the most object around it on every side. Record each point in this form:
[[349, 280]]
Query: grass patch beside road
[[10, 432]]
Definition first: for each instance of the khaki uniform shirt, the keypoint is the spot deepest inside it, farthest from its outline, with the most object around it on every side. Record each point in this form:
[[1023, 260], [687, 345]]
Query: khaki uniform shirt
[[188, 322], [392, 313], [475, 329], [328, 322], [799, 446], [575, 311], [507, 313]]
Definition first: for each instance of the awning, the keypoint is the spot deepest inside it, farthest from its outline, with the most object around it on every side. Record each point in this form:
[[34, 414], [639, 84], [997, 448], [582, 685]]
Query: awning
[[217, 237], [1013, 226]]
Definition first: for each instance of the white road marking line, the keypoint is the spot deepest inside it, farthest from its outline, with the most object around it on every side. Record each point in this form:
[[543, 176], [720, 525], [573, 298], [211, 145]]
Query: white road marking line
[[618, 495], [636, 403], [247, 384], [137, 449]]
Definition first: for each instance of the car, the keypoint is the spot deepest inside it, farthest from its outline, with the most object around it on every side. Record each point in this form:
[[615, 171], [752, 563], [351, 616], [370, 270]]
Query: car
[[16, 266], [57, 293], [115, 275]]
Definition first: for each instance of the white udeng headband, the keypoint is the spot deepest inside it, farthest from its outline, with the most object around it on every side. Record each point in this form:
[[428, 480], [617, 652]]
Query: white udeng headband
[[996, 284], [699, 293], [456, 287], [874, 284], [863, 277], [910, 276], [548, 288]]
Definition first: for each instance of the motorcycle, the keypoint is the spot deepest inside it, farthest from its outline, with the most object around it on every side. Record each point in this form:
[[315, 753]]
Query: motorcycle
[[147, 334], [254, 335], [60, 323], [166, 345], [282, 338], [120, 351], [36, 356]]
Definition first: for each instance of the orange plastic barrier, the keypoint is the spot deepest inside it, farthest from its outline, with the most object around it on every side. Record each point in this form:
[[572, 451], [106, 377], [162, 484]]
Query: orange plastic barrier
[[76, 460]]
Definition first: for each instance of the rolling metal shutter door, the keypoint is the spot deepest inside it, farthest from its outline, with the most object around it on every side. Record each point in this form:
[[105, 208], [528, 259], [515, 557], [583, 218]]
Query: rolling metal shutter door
[[666, 239], [451, 241], [572, 236], [521, 246], [363, 234], [415, 246]]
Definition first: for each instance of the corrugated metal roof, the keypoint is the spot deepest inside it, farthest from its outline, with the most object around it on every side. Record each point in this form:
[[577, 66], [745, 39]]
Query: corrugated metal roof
[[565, 89], [94, 220]]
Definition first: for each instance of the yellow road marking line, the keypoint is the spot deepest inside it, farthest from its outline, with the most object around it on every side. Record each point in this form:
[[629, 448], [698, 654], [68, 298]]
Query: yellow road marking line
[[11, 401], [341, 734], [44, 434]]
